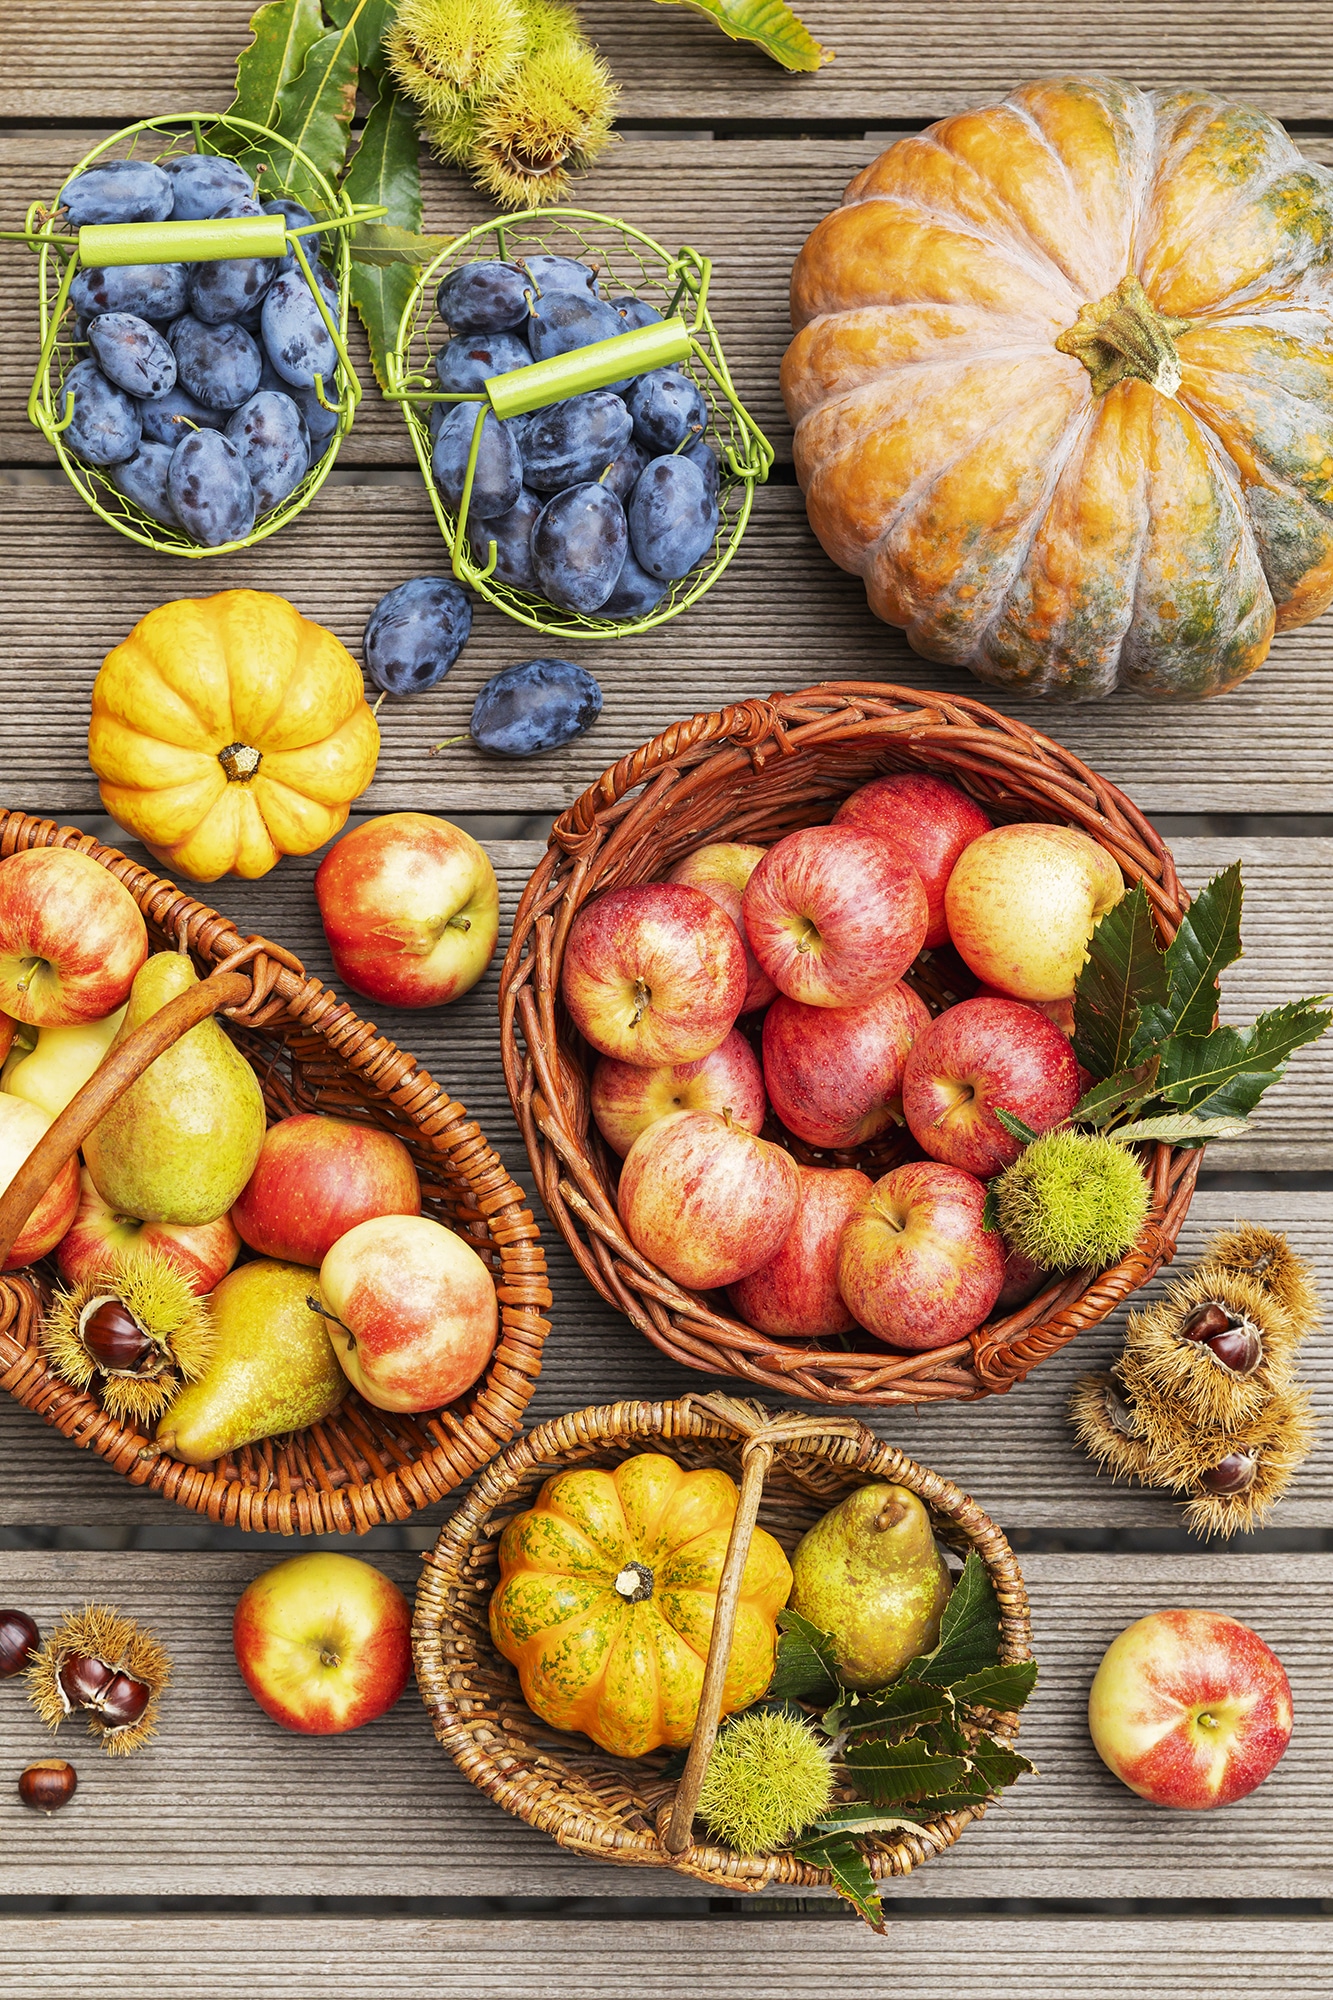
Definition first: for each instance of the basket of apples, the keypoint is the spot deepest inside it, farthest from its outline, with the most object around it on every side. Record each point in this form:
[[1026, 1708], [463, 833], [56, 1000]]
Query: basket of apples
[[789, 996]]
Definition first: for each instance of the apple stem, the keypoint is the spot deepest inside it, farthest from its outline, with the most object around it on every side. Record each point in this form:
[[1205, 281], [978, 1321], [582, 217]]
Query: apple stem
[[809, 936], [459, 924], [642, 1001], [318, 1306]]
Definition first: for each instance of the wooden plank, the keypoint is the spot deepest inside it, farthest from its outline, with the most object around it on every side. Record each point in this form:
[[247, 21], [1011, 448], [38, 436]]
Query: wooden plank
[[782, 618], [892, 61], [224, 1803], [765, 1958]]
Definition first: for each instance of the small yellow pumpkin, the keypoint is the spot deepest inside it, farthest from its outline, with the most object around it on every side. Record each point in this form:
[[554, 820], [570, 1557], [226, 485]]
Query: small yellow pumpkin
[[228, 731], [607, 1592]]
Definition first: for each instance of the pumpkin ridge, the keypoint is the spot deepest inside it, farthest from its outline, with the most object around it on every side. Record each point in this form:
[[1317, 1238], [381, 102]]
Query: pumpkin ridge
[[956, 225]]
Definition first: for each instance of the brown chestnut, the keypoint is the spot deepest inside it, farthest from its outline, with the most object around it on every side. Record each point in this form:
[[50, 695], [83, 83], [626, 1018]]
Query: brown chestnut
[[1236, 1473], [1206, 1320], [123, 1700], [82, 1680], [114, 1337], [1239, 1348], [49, 1785], [19, 1640]]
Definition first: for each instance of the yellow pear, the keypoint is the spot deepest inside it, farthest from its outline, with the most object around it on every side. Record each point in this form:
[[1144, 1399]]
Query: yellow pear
[[183, 1141], [870, 1574]]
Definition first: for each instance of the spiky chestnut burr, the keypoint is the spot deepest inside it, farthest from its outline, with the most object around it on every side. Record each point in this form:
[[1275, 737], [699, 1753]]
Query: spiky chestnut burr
[[1234, 1477], [1266, 1256], [552, 118], [135, 1335], [1108, 1427], [101, 1664], [1217, 1344], [448, 55]]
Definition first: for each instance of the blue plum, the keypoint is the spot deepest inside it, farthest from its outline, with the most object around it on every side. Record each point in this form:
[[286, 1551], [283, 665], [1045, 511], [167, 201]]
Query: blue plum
[[574, 441], [562, 322], [636, 593], [269, 433], [465, 363], [700, 453], [230, 287], [498, 479], [578, 547], [149, 291], [534, 706], [168, 419], [635, 312], [295, 217], [105, 427], [319, 422], [673, 519], [484, 297], [666, 406], [624, 469], [201, 183], [117, 191], [512, 535], [560, 274], [296, 339], [132, 354], [218, 365], [144, 479], [210, 489], [415, 633]]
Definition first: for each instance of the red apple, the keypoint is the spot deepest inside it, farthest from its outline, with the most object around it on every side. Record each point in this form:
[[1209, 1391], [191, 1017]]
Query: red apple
[[834, 1074], [929, 819], [21, 1126], [415, 1311], [1022, 903], [973, 1057], [99, 1240], [1059, 1011], [654, 974], [315, 1179], [722, 871], [411, 909], [8, 1028], [1190, 1709], [835, 915], [1022, 1281], [915, 1264], [71, 937], [627, 1099], [706, 1200], [796, 1293], [323, 1642]]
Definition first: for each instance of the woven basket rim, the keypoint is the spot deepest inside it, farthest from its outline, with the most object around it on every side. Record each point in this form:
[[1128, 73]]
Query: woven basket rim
[[602, 839], [449, 1678], [428, 1455]]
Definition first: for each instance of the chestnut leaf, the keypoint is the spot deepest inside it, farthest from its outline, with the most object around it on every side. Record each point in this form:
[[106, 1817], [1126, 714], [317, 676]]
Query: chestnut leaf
[[851, 1874], [1125, 969]]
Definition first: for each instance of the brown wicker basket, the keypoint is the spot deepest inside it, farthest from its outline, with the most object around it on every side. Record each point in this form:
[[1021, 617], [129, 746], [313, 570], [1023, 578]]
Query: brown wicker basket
[[753, 773], [362, 1466], [791, 1471]]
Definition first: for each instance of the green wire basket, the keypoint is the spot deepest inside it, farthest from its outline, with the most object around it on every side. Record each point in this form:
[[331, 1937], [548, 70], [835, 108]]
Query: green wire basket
[[279, 168], [627, 261]]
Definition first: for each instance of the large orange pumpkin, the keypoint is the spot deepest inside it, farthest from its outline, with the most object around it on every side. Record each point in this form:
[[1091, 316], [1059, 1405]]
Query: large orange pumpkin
[[607, 1591], [1063, 388]]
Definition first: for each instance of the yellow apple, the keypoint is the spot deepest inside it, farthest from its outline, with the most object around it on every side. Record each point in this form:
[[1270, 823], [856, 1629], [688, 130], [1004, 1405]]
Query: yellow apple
[[49, 1066], [1022, 903]]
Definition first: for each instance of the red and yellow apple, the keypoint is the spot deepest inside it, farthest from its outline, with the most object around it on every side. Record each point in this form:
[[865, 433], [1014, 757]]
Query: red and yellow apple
[[834, 1074], [974, 1057], [916, 1265], [706, 1200], [411, 909], [1059, 1011], [8, 1030], [1190, 1709], [412, 1311], [722, 870], [654, 974], [21, 1126], [49, 1066], [1022, 903], [99, 1240], [930, 820], [315, 1179], [323, 1642], [795, 1295], [627, 1099], [834, 915], [71, 937]]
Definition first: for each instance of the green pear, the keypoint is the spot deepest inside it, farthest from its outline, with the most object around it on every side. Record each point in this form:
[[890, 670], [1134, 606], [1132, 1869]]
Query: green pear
[[273, 1366], [869, 1573], [183, 1141]]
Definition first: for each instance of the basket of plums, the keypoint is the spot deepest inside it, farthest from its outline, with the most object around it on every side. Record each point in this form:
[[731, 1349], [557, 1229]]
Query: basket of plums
[[588, 459], [788, 1027], [194, 378]]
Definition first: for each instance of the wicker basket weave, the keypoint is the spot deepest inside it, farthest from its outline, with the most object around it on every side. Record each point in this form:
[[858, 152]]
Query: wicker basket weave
[[754, 772], [622, 1809], [362, 1466]]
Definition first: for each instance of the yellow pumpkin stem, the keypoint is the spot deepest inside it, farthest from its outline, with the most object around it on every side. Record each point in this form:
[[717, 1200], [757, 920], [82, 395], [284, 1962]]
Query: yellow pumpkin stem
[[1125, 335], [240, 761]]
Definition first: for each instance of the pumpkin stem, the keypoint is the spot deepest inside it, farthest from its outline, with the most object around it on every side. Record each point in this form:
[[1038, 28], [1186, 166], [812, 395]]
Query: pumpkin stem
[[635, 1583], [1123, 335], [240, 761]]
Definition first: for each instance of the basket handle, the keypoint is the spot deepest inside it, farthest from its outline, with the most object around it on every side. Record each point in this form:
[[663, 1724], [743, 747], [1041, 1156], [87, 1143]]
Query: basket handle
[[109, 1082], [761, 1440]]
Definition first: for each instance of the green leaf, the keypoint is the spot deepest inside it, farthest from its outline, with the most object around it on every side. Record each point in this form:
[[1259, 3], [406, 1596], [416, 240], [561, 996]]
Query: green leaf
[[1128, 1088], [975, 1793], [284, 33], [807, 1664], [385, 169], [1184, 1128], [998, 1765], [1004, 1686], [905, 1705], [315, 113], [1124, 968], [851, 1875], [890, 1772], [1195, 1067], [770, 25], [1014, 1125], [862, 1819], [1208, 940], [378, 243], [969, 1631], [990, 1209], [375, 17]]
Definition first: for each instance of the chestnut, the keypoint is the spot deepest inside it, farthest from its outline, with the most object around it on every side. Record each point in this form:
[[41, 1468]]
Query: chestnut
[[1239, 1348], [1206, 1320], [123, 1700], [19, 1640], [1236, 1473], [49, 1785], [82, 1680], [113, 1336]]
